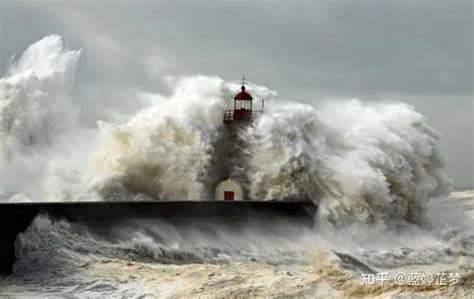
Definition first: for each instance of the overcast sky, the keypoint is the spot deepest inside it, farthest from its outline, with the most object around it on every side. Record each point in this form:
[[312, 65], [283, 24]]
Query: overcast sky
[[420, 52]]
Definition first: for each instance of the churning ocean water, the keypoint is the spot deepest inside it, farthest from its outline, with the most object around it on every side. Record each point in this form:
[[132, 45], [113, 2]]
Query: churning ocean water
[[158, 259], [374, 170]]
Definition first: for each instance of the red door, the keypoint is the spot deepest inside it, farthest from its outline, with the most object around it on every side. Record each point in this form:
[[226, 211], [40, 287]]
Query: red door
[[229, 195]]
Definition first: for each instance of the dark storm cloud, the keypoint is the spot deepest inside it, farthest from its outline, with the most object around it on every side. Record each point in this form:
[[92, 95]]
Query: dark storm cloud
[[415, 51]]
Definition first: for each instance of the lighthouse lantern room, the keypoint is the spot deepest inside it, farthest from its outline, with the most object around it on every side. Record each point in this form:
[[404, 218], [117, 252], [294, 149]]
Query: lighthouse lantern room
[[242, 107]]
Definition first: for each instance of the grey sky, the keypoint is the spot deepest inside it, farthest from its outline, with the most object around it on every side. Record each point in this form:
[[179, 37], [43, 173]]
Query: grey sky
[[420, 52]]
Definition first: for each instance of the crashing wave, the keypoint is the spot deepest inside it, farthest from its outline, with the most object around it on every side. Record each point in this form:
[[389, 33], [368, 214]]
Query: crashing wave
[[36, 108], [361, 162], [358, 161], [35, 102]]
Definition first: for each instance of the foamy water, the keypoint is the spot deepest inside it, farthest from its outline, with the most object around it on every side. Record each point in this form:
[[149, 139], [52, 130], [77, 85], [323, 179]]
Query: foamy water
[[374, 169], [155, 258]]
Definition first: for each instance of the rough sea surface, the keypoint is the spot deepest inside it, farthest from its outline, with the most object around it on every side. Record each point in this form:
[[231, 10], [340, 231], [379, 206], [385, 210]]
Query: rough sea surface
[[156, 259], [374, 169]]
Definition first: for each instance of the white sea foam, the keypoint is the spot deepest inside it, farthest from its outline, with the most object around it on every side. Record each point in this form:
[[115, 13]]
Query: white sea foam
[[156, 258], [360, 161], [36, 114], [372, 168]]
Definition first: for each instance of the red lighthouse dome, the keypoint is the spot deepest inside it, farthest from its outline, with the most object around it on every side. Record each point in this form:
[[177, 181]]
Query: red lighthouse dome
[[242, 111], [243, 95]]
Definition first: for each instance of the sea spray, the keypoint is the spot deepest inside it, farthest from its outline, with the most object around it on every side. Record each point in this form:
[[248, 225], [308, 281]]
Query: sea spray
[[363, 163], [166, 151], [35, 96], [36, 111], [359, 161]]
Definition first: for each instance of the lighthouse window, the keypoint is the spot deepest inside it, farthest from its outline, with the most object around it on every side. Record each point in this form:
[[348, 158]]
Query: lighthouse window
[[247, 105]]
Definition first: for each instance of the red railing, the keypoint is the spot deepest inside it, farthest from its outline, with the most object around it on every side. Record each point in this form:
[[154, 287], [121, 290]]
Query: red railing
[[229, 115]]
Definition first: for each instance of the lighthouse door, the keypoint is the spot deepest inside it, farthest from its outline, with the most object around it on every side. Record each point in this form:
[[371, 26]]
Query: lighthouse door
[[229, 195]]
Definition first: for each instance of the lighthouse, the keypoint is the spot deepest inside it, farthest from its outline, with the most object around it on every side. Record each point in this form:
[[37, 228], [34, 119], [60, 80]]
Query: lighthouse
[[233, 187]]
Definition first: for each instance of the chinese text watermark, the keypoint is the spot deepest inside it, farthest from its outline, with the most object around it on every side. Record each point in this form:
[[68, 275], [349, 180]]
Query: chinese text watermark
[[413, 278]]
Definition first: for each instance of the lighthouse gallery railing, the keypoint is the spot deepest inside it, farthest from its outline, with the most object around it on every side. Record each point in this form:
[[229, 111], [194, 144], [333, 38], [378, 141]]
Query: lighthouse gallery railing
[[229, 115]]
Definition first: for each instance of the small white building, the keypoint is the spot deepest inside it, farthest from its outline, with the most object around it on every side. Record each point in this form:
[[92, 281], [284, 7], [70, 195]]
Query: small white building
[[230, 190]]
